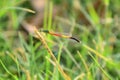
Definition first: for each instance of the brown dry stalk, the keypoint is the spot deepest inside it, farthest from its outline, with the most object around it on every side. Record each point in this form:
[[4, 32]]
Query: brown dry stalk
[[40, 37]]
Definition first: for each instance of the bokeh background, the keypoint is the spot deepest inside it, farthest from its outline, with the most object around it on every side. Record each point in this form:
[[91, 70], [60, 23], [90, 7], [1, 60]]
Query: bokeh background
[[96, 23]]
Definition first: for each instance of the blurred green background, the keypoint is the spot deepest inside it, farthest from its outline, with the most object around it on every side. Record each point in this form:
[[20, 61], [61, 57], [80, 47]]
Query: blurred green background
[[96, 23]]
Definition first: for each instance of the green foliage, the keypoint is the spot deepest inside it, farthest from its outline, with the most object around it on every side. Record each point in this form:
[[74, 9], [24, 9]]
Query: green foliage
[[97, 57]]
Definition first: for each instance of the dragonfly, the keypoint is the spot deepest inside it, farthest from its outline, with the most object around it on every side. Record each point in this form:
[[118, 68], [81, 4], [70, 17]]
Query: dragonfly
[[60, 35]]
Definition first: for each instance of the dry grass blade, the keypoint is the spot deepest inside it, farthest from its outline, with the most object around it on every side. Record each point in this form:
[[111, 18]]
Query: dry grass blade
[[96, 53], [85, 64], [66, 77], [27, 74], [19, 8], [80, 77]]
